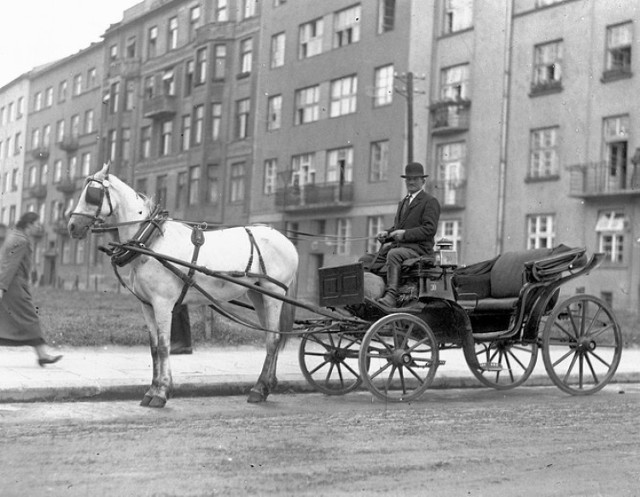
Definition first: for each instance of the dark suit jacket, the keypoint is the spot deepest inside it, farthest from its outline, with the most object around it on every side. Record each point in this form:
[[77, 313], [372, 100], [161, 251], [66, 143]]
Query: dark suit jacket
[[420, 223]]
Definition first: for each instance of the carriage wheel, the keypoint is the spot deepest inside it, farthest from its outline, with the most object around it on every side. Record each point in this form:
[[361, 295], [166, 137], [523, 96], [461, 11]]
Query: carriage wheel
[[329, 362], [398, 357], [512, 363], [581, 345]]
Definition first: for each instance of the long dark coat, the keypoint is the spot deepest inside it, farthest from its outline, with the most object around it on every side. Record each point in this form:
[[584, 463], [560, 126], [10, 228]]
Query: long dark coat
[[420, 224], [19, 321]]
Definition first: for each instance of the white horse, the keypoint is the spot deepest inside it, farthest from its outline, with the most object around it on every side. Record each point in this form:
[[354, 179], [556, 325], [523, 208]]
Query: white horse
[[224, 250]]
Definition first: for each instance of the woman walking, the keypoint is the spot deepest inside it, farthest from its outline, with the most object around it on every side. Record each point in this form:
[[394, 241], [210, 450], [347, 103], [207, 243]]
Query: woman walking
[[19, 321]]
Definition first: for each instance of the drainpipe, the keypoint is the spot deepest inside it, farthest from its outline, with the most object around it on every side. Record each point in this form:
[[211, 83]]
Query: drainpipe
[[504, 127]]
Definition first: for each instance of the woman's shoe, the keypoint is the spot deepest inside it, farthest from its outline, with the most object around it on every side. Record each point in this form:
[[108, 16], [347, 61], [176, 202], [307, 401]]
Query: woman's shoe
[[48, 359]]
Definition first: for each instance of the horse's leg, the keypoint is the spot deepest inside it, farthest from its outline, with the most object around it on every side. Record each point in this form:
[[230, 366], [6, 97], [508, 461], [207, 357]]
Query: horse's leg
[[268, 310], [150, 319]]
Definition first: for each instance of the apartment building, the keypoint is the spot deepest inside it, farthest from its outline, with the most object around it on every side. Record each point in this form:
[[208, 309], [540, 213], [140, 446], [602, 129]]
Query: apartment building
[[13, 127], [62, 144], [180, 89]]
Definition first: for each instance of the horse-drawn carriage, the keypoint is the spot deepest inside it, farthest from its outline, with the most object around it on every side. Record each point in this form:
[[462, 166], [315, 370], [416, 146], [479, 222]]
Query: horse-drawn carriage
[[500, 312]]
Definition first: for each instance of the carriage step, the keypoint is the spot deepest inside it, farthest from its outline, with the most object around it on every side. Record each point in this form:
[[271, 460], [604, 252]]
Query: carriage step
[[440, 363], [491, 366]]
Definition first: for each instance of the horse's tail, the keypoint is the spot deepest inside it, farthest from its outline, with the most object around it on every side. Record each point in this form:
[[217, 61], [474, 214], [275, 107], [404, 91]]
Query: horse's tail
[[287, 313]]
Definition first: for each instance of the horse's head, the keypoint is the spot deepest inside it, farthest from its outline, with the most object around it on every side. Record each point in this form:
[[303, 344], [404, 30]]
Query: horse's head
[[94, 204]]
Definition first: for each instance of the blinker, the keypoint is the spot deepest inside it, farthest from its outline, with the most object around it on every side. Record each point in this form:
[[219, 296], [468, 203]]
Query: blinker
[[93, 195]]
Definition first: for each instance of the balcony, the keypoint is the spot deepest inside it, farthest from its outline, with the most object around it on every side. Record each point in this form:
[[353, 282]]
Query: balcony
[[603, 179], [69, 144], [159, 107], [128, 68], [549, 87], [451, 194], [40, 153], [450, 116], [315, 196], [60, 227], [38, 191], [67, 186]]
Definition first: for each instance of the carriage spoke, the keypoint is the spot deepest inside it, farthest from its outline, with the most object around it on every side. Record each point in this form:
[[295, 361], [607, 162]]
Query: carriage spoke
[[591, 368], [570, 368]]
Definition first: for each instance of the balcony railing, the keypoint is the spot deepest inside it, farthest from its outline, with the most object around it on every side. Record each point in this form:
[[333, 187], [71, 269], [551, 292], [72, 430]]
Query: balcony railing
[[315, 196], [451, 194], [69, 143], [40, 153], [159, 107], [67, 186], [603, 178], [450, 116], [127, 68], [38, 191], [60, 227]]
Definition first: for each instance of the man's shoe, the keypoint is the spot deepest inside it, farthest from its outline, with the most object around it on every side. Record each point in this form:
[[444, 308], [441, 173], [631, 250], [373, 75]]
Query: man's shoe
[[48, 359], [388, 299], [179, 349]]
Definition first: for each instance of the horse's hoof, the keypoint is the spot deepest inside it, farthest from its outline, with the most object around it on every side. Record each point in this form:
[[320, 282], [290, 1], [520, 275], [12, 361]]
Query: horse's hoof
[[146, 400], [255, 397], [158, 402]]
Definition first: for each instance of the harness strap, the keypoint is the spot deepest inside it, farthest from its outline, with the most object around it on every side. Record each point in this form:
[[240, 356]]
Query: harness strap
[[253, 243], [197, 238], [124, 284]]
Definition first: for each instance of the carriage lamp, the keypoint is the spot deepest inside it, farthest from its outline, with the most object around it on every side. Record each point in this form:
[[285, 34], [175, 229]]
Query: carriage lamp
[[446, 254]]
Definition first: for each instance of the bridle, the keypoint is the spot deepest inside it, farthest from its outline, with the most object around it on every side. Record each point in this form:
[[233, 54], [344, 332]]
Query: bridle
[[95, 195]]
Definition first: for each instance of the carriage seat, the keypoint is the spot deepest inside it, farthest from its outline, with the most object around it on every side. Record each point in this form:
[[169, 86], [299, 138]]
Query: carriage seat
[[497, 288]]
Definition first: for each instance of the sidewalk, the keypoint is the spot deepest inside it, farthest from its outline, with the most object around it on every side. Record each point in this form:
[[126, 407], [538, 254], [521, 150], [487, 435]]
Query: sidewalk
[[119, 373]]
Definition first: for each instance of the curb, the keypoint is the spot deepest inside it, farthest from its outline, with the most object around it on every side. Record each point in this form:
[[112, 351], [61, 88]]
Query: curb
[[204, 389]]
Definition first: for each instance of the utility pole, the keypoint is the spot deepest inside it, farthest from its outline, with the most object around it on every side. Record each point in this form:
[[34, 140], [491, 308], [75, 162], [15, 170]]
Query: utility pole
[[408, 92]]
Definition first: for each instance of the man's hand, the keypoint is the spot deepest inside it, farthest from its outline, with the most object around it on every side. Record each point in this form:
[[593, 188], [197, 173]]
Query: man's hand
[[397, 235], [382, 236]]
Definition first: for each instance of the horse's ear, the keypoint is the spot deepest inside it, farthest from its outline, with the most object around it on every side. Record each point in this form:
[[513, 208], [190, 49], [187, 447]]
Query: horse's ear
[[105, 168]]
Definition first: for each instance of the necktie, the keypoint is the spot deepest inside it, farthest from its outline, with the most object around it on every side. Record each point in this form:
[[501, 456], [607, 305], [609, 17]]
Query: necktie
[[405, 206]]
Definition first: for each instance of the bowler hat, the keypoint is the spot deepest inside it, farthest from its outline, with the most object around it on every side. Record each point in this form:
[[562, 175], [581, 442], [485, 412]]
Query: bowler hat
[[414, 170]]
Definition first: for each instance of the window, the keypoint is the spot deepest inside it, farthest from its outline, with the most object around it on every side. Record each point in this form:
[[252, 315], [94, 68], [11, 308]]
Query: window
[[168, 83], [375, 224], [243, 108], [216, 120], [222, 11], [129, 95], [451, 171], [145, 142], [189, 71], [201, 66], [194, 185], [152, 42], [544, 153], [386, 15], [274, 113], [454, 83], [77, 84], [343, 236], [343, 96], [86, 164], [92, 77], [346, 26], [457, 15], [149, 87], [213, 187], [181, 189], [48, 97], [111, 144], [270, 174], [611, 227], [131, 47], [115, 98], [246, 47], [35, 138], [33, 175], [198, 124], [161, 190], [236, 182], [249, 8], [451, 229], [16, 144], [75, 126], [113, 53], [615, 150], [379, 161], [383, 81], [62, 91], [72, 167], [194, 19], [544, 3], [540, 231], [37, 104], [46, 135], [278, 3], [310, 39], [88, 121], [547, 65], [20, 108], [277, 50], [303, 171], [141, 185], [307, 105], [172, 34], [166, 134], [125, 145], [619, 40], [220, 62], [340, 165]]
